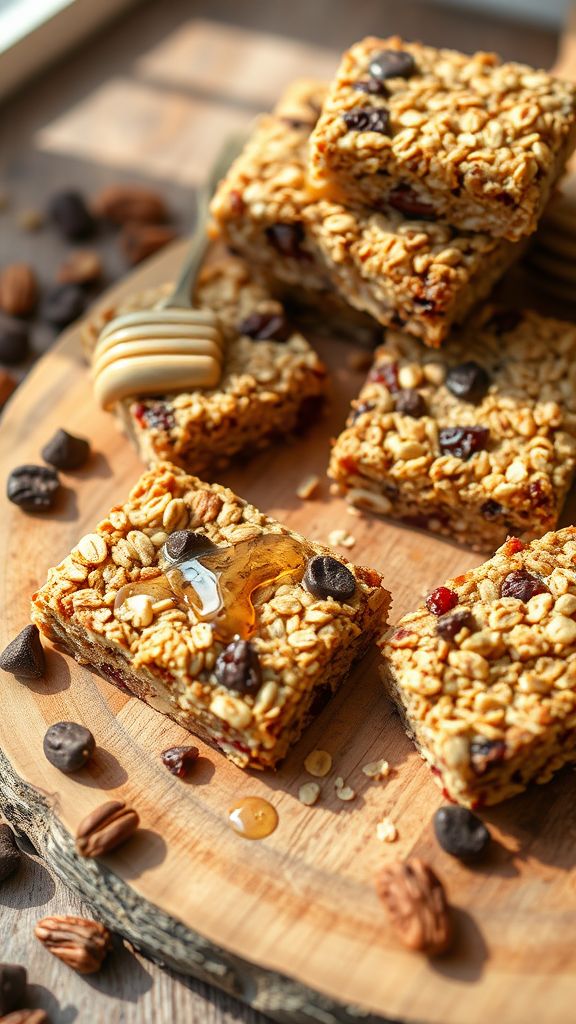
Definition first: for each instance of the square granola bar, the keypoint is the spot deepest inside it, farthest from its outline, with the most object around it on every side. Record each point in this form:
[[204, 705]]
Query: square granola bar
[[439, 134], [272, 382], [212, 612], [475, 442], [402, 269], [485, 674]]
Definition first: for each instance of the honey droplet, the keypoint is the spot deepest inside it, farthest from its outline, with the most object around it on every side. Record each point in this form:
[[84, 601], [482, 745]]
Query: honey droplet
[[253, 817]]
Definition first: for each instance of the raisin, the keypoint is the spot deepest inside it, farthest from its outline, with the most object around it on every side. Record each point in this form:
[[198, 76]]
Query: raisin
[[287, 239], [410, 403], [265, 327], [450, 624], [238, 667], [460, 833], [468, 381], [179, 759], [372, 86], [522, 585], [491, 509], [392, 64], [462, 442], [69, 213], [441, 600], [155, 416], [406, 200], [385, 373], [62, 304], [537, 494], [361, 119], [484, 753]]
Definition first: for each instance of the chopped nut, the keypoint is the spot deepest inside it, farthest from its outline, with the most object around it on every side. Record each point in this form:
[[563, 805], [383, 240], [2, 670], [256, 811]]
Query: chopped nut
[[81, 267], [376, 769], [308, 793], [318, 763], [341, 538], [80, 943], [308, 487], [386, 831]]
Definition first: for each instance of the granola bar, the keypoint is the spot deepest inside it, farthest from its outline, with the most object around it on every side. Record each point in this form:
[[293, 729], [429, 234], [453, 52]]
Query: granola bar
[[403, 270], [475, 442], [213, 613], [439, 134], [272, 380], [488, 688]]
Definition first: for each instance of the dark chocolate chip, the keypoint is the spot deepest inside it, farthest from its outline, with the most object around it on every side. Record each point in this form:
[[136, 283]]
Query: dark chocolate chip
[[238, 667], [71, 216], [13, 986], [522, 585], [14, 340], [24, 655], [265, 327], [410, 403], [362, 119], [10, 856], [485, 753], [392, 64], [462, 442], [183, 544], [178, 760], [468, 381], [68, 746], [287, 239], [33, 488], [460, 833], [62, 304], [65, 451], [326, 577], [492, 509], [450, 624], [372, 86]]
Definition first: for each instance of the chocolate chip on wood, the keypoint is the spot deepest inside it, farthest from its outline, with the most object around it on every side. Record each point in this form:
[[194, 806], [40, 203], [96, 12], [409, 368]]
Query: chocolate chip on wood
[[105, 828], [33, 488], [326, 577], [416, 903], [79, 942], [65, 451], [68, 746], [13, 985], [24, 655], [10, 856]]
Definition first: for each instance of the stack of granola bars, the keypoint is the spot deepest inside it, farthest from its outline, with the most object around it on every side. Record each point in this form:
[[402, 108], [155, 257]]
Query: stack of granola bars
[[404, 189]]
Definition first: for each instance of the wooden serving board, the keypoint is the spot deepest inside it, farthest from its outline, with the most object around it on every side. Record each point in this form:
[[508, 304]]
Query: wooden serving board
[[290, 924]]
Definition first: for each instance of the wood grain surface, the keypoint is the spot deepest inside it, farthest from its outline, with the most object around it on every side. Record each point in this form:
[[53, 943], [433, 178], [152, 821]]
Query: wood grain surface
[[302, 902]]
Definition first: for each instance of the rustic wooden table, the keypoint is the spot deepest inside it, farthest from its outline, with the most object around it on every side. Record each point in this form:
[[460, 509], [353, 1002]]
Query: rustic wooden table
[[152, 98]]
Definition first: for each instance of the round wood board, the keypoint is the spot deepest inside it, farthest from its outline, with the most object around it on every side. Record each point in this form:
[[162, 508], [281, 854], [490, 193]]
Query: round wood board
[[290, 924]]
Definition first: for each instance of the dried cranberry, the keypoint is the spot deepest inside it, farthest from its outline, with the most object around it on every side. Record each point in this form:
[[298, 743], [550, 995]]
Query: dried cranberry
[[462, 442], [504, 320], [468, 381], [392, 64], [265, 327], [522, 585], [361, 119], [484, 753], [179, 759], [491, 509], [360, 409], [156, 416], [512, 546], [450, 624], [538, 495], [441, 600], [385, 373], [287, 239], [406, 200], [372, 86], [238, 667], [410, 403]]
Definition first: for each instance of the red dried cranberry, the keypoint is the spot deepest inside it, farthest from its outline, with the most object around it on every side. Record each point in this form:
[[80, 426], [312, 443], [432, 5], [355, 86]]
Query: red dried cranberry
[[371, 86], [287, 239], [238, 667], [406, 200], [512, 546], [441, 600], [462, 442], [522, 585], [385, 373], [468, 381], [366, 119], [450, 624], [155, 415], [504, 320], [179, 759], [360, 409], [485, 753], [265, 327], [410, 403], [538, 495], [491, 509]]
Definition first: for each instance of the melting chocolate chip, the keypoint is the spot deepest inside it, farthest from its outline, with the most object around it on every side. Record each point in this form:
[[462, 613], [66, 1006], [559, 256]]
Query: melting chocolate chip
[[410, 403], [65, 451], [178, 760], [451, 623], [522, 585], [33, 488], [462, 442], [24, 655], [326, 577], [392, 64], [468, 381], [460, 833], [68, 746], [238, 667], [361, 119], [265, 327], [69, 213], [183, 544]]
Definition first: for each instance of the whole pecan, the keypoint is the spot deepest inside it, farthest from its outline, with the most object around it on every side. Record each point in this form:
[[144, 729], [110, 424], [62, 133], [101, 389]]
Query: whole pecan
[[106, 828], [79, 942], [122, 203], [416, 903], [18, 289], [26, 1017]]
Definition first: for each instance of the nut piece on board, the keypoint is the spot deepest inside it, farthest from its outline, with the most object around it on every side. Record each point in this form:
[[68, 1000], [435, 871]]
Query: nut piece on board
[[83, 266], [416, 903], [10, 856], [18, 289], [105, 828], [80, 943], [138, 241], [124, 202]]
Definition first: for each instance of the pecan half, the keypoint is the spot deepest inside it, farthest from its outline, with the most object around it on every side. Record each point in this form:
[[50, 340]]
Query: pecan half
[[416, 903], [125, 202], [106, 828], [206, 506], [77, 941], [18, 289]]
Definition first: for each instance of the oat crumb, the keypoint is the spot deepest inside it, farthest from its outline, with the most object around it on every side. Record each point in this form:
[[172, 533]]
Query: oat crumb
[[318, 763], [308, 793], [308, 487], [386, 831], [343, 792], [341, 538], [376, 769]]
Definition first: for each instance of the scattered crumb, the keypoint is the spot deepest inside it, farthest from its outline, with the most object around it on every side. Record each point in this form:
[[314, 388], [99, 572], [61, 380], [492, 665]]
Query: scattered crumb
[[308, 487], [341, 538], [343, 792], [376, 769], [318, 763], [386, 831], [309, 793], [30, 220], [359, 361]]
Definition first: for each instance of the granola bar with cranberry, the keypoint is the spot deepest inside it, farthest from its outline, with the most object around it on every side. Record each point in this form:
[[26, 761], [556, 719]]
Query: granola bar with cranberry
[[398, 266], [476, 441], [194, 601], [442, 135], [484, 673]]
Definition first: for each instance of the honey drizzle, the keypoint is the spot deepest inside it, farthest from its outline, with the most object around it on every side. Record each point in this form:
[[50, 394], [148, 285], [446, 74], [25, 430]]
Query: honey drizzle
[[252, 817]]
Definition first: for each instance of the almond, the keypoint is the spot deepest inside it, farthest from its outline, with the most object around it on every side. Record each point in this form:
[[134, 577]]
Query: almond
[[82, 267], [122, 204], [141, 240], [18, 289]]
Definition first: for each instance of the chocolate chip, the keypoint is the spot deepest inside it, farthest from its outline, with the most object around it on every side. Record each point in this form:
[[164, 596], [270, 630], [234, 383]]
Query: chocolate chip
[[361, 119], [372, 86], [68, 746], [24, 655], [522, 585], [462, 442], [407, 201], [265, 327], [13, 986], [183, 544], [65, 451], [178, 760], [63, 304], [492, 509], [450, 624], [238, 667], [71, 216], [33, 488], [460, 833], [326, 577], [410, 403], [287, 239], [392, 64], [14, 340], [10, 856], [484, 753], [468, 381]]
